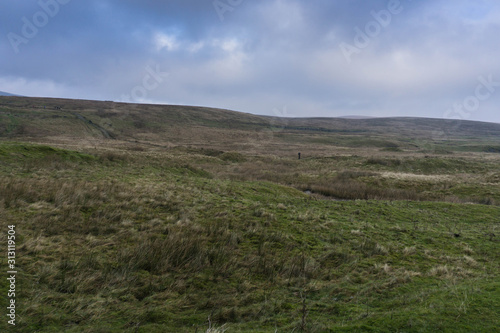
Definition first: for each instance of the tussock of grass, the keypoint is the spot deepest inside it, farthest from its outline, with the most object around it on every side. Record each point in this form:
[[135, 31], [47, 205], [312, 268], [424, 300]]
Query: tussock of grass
[[356, 190]]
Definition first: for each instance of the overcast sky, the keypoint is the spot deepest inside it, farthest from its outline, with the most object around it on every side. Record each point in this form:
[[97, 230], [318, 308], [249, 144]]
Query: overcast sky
[[427, 58]]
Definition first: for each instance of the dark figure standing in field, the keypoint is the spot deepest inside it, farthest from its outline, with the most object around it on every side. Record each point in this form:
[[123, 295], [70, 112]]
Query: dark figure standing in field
[[299, 156]]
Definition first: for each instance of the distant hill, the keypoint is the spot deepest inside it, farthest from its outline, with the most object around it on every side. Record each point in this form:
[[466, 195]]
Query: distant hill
[[3, 93], [356, 117], [43, 119]]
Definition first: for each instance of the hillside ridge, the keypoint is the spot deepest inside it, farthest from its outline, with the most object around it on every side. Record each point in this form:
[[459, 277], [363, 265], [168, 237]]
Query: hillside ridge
[[55, 120]]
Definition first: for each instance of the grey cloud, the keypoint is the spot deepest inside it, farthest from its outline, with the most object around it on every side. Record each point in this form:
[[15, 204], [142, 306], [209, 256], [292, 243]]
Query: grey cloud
[[264, 55]]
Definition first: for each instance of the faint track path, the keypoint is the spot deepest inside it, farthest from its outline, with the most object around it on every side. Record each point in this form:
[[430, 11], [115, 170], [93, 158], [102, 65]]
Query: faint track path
[[89, 122]]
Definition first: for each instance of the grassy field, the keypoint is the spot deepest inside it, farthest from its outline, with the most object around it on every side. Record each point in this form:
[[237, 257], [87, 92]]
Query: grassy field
[[142, 218]]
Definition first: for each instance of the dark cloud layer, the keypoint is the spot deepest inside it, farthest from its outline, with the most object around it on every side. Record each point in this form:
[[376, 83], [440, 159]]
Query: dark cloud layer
[[315, 58]]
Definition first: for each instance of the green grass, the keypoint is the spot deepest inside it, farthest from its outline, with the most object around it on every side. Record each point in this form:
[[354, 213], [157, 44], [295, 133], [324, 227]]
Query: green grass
[[195, 220], [14, 152], [168, 245]]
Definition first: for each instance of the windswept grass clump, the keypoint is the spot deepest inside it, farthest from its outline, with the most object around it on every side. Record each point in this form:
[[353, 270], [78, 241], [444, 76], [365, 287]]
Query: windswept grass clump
[[181, 247], [354, 190]]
